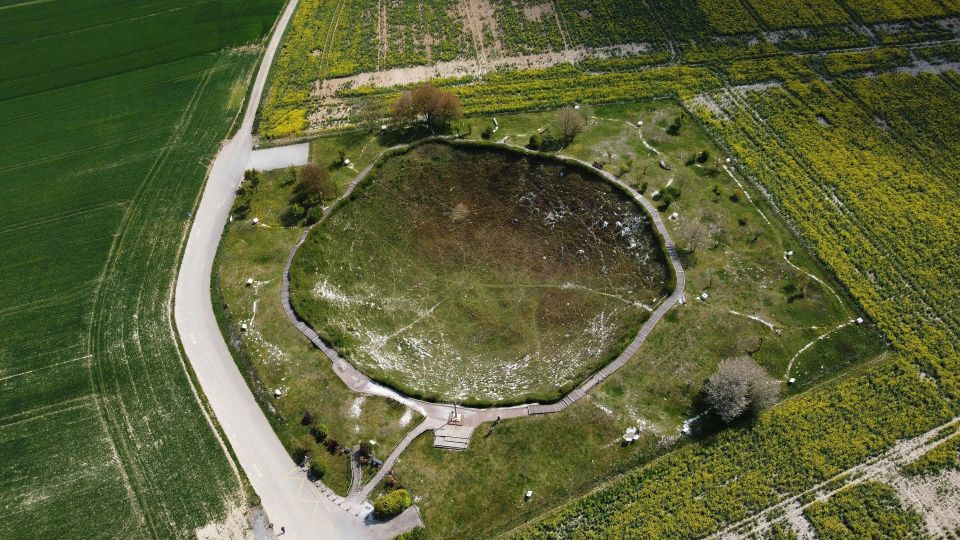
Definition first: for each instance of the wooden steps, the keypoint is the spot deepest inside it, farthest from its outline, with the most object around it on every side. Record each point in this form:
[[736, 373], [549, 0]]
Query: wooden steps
[[452, 437]]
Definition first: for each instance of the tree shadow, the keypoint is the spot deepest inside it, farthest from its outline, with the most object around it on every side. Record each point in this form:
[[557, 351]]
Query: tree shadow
[[393, 136]]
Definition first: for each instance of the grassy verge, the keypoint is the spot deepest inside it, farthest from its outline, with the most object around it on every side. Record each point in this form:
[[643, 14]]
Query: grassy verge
[[274, 355]]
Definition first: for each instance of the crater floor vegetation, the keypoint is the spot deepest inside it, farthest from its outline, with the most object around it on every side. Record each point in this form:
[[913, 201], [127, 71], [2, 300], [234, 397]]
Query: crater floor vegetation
[[480, 275]]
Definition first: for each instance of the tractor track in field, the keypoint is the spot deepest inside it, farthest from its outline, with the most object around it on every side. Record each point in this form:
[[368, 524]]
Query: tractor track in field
[[112, 413]]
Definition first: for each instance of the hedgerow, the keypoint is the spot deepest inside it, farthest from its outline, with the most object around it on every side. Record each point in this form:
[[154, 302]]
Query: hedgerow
[[512, 91], [778, 68], [944, 456], [728, 16], [804, 13], [938, 54], [893, 10]]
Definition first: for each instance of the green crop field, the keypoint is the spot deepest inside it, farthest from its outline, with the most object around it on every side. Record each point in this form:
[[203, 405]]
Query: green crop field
[[111, 112], [478, 49], [492, 278]]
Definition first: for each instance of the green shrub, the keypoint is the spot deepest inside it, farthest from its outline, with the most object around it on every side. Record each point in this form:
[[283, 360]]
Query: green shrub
[[536, 141], [416, 534], [293, 215], [319, 432], [392, 504], [317, 469], [314, 215]]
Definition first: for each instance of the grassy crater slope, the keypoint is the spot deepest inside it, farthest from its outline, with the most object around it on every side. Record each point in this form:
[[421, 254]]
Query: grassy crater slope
[[480, 275], [111, 111]]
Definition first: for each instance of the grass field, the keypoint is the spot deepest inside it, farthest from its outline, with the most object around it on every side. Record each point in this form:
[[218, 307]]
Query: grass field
[[111, 112], [490, 278], [740, 266]]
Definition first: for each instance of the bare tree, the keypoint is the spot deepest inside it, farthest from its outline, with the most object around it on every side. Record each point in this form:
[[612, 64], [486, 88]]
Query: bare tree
[[702, 231], [569, 124], [740, 386], [402, 109], [446, 108]]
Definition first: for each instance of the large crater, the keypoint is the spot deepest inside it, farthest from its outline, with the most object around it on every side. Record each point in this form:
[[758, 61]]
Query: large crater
[[480, 275]]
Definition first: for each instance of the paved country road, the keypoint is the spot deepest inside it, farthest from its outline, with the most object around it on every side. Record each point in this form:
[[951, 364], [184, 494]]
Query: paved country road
[[288, 499]]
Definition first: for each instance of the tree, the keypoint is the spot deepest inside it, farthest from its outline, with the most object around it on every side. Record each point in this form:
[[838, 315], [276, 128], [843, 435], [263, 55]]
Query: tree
[[740, 386], [307, 419], [434, 106], [366, 449], [440, 107], [674, 128], [569, 124], [402, 109], [333, 446], [313, 185], [392, 503]]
